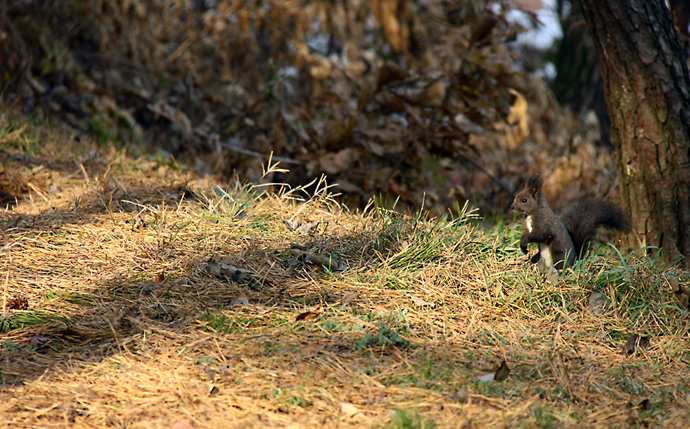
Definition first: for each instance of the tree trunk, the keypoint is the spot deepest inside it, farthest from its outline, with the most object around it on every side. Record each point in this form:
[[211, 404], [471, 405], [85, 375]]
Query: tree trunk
[[647, 93]]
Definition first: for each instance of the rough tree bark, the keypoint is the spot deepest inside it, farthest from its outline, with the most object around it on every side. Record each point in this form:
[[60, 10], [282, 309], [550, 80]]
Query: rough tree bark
[[647, 91]]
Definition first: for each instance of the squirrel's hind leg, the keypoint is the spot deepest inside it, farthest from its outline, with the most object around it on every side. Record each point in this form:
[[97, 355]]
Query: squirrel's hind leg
[[535, 258]]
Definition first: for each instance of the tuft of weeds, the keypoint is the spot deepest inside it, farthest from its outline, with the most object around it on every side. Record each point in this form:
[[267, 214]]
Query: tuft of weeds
[[288, 399], [544, 416], [222, 323], [430, 370], [635, 288], [384, 338], [414, 255], [19, 135], [227, 205], [25, 319], [419, 242], [409, 419]]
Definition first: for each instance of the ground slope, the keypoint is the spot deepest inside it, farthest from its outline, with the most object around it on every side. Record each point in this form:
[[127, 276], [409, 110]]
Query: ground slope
[[137, 295]]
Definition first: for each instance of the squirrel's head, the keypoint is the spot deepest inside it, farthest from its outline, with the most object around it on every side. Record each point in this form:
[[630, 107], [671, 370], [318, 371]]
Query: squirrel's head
[[526, 202]]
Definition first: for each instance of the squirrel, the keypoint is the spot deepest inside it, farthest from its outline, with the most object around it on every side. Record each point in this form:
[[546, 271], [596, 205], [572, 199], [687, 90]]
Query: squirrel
[[561, 243]]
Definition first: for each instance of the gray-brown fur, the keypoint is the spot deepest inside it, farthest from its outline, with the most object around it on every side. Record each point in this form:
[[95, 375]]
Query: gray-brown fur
[[584, 220], [546, 228], [560, 243]]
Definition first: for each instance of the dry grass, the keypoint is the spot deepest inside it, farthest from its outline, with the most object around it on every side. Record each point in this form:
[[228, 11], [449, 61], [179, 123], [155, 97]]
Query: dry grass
[[127, 325]]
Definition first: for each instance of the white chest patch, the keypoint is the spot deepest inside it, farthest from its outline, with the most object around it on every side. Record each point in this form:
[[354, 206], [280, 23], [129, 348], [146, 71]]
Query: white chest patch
[[528, 224], [545, 252]]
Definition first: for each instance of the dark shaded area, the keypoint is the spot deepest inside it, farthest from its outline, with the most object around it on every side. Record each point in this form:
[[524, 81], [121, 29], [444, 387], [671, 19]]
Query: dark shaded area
[[99, 322], [578, 80], [401, 102]]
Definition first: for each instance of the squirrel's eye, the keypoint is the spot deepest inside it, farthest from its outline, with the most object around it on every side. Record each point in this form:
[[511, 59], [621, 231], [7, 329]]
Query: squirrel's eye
[[524, 200]]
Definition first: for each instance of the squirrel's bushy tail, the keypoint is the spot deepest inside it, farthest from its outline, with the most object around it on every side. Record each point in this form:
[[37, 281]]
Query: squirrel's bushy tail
[[585, 218]]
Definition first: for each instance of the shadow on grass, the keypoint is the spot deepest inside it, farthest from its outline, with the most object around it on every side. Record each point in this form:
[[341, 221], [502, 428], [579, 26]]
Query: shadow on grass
[[99, 276]]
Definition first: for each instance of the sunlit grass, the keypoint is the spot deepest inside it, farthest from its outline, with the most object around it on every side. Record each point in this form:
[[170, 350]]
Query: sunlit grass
[[155, 297]]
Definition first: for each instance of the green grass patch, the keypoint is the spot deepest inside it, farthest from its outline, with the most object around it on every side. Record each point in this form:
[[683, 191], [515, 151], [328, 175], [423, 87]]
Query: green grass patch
[[23, 319]]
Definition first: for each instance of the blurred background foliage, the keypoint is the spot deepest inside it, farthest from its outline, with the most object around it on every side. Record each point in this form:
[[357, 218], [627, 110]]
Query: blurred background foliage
[[435, 101]]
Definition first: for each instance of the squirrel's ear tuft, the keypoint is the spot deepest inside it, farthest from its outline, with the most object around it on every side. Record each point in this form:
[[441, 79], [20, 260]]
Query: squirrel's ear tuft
[[534, 184]]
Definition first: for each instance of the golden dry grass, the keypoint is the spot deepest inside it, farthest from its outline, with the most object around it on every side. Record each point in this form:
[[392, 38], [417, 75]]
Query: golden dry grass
[[128, 324]]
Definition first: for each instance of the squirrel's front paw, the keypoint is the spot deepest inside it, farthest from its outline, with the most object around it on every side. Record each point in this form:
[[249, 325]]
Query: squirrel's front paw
[[523, 245]]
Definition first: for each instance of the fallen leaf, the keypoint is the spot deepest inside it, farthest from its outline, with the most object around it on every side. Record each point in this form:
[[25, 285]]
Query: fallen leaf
[[210, 373], [420, 302], [239, 301], [349, 298], [308, 228], [218, 269], [486, 378], [392, 27], [681, 292], [328, 261], [334, 163], [462, 395], [39, 340], [346, 186], [643, 405], [320, 68], [635, 342], [292, 225], [293, 262], [597, 302], [502, 372], [349, 410], [230, 272], [307, 315], [384, 134], [317, 258], [551, 275], [518, 118]]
